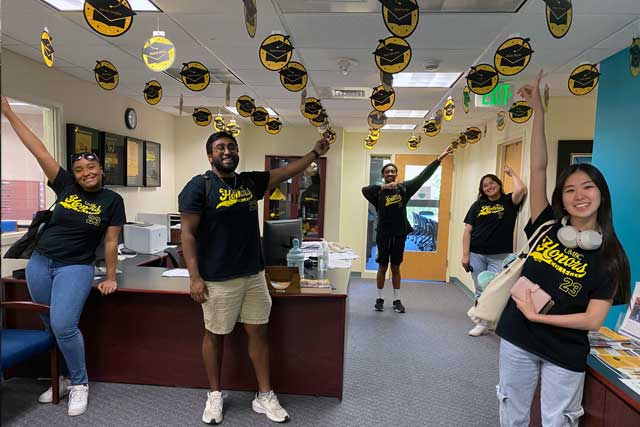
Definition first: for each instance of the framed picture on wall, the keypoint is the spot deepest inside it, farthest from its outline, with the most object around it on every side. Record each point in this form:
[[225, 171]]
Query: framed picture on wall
[[81, 139], [113, 158], [135, 162], [151, 164], [572, 152], [578, 158]]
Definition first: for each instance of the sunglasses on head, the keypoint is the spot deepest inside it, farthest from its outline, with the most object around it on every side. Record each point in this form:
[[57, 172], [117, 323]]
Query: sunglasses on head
[[86, 156]]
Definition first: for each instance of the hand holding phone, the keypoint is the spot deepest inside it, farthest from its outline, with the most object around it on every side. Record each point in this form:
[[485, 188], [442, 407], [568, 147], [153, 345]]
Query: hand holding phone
[[542, 301]]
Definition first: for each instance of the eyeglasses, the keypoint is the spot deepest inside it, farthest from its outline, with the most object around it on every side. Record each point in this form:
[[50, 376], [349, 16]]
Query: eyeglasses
[[86, 156], [222, 147]]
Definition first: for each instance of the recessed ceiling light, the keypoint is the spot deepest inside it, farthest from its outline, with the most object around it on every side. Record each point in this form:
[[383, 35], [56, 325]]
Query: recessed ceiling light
[[398, 127], [235, 111], [406, 113], [78, 5], [425, 79]]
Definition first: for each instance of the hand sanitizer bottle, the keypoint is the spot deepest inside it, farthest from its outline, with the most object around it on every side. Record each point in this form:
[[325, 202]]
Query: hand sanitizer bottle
[[295, 257]]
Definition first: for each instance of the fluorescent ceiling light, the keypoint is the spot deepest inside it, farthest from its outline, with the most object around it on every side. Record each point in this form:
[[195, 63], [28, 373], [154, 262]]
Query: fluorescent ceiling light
[[77, 5], [269, 110], [425, 79], [406, 113], [398, 127]]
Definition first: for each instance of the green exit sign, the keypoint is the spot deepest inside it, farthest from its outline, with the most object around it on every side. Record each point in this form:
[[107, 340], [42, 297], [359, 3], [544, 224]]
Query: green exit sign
[[500, 96]]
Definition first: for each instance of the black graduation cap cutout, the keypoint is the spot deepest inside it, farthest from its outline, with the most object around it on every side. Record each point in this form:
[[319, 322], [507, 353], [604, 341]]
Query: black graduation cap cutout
[[201, 116], [512, 56], [413, 143], [158, 53], [273, 126], [520, 112], [376, 119], [449, 109], [330, 135], [250, 17], [386, 80], [245, 105], [400, 16], [462, 140], [392, 55], [320, 120], [500, 120], [311, 108], [431, 127], [152, 92], [275, 52], [111, 18], [559, 17], [294, 77], [466, 99], [381, 99], [260, 116], [46, 47], [195, 76], [106, 75], [583, 79], [634, 57], [473, 134], [482, 79]]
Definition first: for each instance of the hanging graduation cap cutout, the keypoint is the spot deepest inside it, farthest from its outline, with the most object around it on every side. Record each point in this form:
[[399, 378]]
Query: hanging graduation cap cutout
[[392, 55], [110, 18], [369, 143], [201, 116], [449, 109], [466, 99], [400, 16], [374, 134], [311, 107], [559, 17], [275, 52], [152, 92], [634, 57], [46, 47], [473, 134], [482, 79], [250, 17], [245, 106], [583, 79], [158, 53], [106, 75], [500, 120], [545, 97], [462, 140], [233, 128], [294, 77], [260, 116], [431, 128], [320, 120], [273, 126], [386, 80], [195, 76], [513, 56], [520, 112], [219, 124], [376, 119], [330, 135], [381, 99], [413, 143]]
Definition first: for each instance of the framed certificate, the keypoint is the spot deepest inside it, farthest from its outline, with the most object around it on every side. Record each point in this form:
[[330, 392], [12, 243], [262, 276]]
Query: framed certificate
[[81, 139], [113, 158], [135, 162], [151, 164]]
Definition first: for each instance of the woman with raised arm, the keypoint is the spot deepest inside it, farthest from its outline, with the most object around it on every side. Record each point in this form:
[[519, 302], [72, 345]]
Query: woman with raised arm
[[60, 271], [581, 264], [488, 230]]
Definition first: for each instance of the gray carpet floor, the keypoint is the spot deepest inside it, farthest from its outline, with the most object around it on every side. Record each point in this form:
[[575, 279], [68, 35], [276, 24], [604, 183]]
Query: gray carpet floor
[[414, 369]]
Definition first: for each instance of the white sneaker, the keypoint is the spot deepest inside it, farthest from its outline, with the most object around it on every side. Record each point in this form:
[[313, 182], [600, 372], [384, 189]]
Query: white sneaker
[[78, 398], [270, 406], [63, 390], [479, 329], [213, 409]]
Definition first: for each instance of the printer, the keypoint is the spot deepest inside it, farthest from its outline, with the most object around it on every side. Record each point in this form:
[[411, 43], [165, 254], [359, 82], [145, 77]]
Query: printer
[[145, 238]]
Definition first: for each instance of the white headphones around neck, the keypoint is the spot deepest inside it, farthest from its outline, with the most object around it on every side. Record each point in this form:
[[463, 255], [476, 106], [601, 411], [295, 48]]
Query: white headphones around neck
[[572, 238]]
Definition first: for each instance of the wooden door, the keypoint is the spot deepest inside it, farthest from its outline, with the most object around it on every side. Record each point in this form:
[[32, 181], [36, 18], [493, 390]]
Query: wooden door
[[428, 211], [512, 158]]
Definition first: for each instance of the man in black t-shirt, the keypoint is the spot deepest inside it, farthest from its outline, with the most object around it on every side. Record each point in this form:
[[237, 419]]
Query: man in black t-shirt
[[390, 201], [221, 243]]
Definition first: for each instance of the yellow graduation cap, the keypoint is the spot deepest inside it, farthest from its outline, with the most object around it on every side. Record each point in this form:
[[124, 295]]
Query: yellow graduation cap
[[512, 56], [201, 116], [559, 14], [294, 76], [195, 76], [109, 18], [46, 47], [275, 52], [260, 116], [276, 194], [392, 55], [482, 79], [376, 119], [152, 92], [158, 53], [382, 99], [106, 75], [400, 16], [583, 79]]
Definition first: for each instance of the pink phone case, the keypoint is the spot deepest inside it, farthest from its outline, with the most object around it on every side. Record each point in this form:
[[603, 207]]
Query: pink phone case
[[541, 300]]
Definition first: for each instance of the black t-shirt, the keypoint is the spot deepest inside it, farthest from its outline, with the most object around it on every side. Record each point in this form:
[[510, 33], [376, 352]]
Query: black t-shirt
[[493, 223], [79, 221], [572, 277], [228, 237]]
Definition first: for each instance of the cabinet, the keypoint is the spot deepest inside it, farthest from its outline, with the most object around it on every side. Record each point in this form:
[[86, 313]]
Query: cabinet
[[299, 197]]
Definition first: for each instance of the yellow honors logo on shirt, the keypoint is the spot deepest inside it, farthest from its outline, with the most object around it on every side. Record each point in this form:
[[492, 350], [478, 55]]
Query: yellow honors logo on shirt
[[568, 262], [392, 200], [231, 197], [74, 203], [491, 209]]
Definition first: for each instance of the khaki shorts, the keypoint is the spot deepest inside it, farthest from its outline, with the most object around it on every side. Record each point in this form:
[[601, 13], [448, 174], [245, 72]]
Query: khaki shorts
[[244, 300]]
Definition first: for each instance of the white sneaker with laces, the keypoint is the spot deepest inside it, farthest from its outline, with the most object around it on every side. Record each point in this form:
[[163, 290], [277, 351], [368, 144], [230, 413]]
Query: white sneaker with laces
[[78, 398], [270, 406], [213, 409], [63, 390], [479, 329]]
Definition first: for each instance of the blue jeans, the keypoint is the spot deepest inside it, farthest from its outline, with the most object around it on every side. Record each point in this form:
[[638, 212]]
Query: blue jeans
[[65, 288], [481, 263], [560, 389]]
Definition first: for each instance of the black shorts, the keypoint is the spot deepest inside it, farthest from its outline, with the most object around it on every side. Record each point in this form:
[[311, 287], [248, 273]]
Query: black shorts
[[390, 247]]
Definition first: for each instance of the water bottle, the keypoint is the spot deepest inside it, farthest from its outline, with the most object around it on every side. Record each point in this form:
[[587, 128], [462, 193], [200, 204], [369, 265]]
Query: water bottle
[[295, 257], [323, 259]]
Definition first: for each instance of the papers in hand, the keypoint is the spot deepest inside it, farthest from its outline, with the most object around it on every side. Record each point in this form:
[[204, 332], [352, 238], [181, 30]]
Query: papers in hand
[[176, 272]]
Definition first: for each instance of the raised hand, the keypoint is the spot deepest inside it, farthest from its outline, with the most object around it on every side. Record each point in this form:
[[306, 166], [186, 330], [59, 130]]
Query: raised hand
[[508, 171], [322, 146], [531, 93]]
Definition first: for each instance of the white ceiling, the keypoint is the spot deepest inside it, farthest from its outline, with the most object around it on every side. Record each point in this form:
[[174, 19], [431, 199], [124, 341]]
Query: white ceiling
[[322, 32]]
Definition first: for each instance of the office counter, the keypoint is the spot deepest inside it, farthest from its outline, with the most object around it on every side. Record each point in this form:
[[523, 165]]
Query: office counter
[[150, 332]]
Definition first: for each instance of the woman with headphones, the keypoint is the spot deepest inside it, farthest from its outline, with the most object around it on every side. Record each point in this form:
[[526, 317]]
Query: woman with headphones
[[580, 263]]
